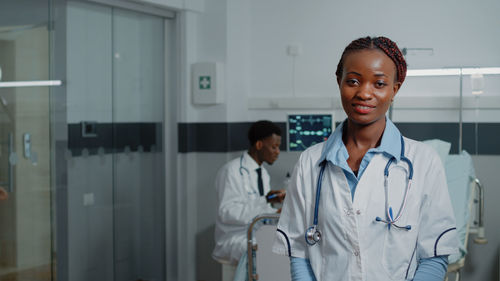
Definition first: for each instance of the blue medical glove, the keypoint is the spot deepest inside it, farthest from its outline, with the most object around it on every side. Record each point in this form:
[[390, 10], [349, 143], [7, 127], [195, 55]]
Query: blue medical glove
[[301, 270], [432, 269]]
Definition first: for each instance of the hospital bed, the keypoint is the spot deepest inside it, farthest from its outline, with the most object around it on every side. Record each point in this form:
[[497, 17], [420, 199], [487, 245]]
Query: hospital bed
[[466, 194], [467, 198]]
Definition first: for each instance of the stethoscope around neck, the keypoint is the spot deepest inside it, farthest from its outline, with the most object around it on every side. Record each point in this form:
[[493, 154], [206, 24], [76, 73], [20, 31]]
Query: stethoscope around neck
[[313, 234], [243, 168]]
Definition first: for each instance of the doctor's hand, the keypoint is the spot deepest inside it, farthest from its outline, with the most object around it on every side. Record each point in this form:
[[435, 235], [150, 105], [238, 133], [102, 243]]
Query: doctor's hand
[[276, 196], [3, 194]]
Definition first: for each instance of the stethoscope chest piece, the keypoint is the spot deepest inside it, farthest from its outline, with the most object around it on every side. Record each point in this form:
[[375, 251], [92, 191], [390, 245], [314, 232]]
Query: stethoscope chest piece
[[313, 235]]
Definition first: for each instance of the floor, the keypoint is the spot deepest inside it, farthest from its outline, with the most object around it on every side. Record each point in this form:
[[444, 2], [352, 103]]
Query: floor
[[40, 273]]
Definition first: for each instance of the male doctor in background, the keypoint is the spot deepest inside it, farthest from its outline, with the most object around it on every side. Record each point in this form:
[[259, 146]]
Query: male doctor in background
[[244, 192]]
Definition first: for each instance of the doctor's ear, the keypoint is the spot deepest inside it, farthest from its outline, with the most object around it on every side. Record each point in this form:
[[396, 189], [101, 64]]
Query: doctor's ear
[[259, 144], [396, 87]]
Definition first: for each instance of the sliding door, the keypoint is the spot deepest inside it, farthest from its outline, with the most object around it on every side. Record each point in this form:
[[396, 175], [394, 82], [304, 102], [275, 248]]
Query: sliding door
[[115, 122]]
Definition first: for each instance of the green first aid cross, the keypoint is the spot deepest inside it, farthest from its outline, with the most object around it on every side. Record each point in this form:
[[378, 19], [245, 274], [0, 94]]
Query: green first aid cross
[[205, 83]]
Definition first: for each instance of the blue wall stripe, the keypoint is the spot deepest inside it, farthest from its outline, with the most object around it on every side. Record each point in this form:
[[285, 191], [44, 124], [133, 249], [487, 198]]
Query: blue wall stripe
[[228, 137], [218, 137], [114, 137], [488, 135]]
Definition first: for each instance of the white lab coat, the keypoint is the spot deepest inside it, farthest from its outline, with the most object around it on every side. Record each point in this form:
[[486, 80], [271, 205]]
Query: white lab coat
[[353, 245], [239, 202]]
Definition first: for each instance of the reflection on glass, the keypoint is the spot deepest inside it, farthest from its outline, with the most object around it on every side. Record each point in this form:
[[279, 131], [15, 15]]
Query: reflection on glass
[[25, 216]]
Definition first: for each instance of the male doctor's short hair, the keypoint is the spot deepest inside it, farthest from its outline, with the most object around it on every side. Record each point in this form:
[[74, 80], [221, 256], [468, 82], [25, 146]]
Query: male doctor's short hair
[[261, 130], [384, 44]]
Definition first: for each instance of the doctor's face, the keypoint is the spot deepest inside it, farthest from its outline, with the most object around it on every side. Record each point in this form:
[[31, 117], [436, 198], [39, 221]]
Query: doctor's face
[[268, 149], [368, 86]]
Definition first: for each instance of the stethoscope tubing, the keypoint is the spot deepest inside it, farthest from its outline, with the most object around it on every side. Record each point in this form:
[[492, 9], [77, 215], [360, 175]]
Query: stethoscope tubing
[[241, 166], [391, 220], [389, 212], [318, 192]]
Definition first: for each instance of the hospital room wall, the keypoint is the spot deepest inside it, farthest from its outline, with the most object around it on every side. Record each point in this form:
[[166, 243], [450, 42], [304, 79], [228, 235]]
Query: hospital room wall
[[251, 38]]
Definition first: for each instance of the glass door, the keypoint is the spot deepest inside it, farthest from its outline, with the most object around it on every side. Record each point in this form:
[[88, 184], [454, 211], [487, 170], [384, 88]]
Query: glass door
[[26, 251], [138, 161], [115, 112]]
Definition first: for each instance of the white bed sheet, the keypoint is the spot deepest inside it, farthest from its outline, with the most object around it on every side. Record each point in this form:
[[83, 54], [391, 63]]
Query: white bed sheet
[[460, 173]]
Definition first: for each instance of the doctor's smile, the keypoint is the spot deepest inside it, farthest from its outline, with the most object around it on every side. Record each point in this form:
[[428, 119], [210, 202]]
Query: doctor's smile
[[363, 109]]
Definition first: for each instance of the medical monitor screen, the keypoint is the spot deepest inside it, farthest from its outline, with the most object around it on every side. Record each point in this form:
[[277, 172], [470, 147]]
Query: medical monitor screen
[[305, 130]]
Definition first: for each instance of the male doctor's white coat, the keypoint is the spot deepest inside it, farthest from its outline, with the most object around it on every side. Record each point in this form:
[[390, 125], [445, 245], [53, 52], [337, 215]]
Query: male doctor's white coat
[[353, 245], [239, 202]]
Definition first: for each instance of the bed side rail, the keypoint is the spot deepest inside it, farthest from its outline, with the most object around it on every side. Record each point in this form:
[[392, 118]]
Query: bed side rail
[[480, 238], [267, 219]]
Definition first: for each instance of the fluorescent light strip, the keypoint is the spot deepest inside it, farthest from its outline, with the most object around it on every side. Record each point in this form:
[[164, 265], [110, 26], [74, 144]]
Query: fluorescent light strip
[[481, 70], [433, 72], [452, 71], [30, 83]]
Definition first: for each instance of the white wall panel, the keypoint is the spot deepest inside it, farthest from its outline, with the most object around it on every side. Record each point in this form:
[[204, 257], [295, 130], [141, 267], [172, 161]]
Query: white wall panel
[[203, 39], [324, 28]]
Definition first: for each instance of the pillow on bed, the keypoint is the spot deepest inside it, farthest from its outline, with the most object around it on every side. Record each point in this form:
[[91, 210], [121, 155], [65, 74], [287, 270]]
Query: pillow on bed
[[441, 147]]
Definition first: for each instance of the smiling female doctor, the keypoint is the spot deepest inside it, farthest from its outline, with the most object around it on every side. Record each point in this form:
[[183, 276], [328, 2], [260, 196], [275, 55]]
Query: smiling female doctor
[[368, 204]]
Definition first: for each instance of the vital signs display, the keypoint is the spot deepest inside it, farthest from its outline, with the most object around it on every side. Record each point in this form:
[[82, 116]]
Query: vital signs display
[[305, 130]]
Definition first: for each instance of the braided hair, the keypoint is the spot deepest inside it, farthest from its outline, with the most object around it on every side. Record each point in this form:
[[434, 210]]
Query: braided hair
[[382, 43]]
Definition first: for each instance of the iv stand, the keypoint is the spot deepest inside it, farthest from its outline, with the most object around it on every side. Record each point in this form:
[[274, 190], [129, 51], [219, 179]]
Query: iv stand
[[460, 115]]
